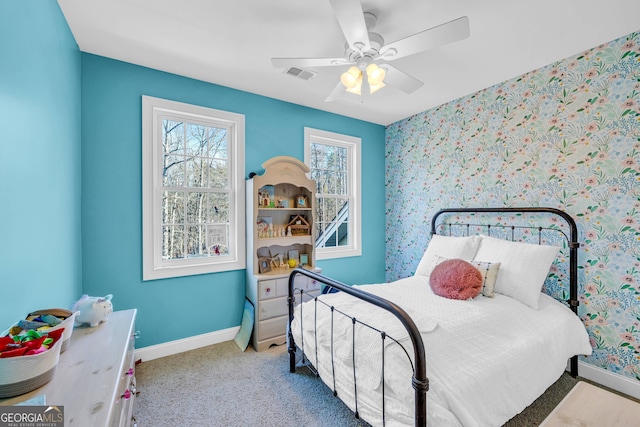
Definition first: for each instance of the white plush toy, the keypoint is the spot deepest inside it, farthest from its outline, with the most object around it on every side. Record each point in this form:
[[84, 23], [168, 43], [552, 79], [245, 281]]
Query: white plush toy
[[93, 310]]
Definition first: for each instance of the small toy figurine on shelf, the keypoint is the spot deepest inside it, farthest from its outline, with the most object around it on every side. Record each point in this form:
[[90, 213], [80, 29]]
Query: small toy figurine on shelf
[[289, 232]]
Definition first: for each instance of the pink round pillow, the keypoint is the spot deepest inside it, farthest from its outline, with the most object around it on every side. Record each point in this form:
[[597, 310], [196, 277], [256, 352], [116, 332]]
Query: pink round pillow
[[456, 279]]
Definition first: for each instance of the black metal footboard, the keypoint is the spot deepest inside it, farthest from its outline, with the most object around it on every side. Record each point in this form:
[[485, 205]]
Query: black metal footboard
[[420, 381]]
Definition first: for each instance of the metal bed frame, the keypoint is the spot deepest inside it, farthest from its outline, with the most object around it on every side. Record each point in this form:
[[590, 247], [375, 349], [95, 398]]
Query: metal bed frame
[[420, 382]]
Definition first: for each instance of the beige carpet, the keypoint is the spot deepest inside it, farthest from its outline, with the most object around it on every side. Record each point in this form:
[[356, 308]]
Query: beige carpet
[[220, 385]]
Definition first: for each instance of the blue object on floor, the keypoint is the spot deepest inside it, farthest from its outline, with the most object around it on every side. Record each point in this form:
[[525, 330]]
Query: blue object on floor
[[246, 327]]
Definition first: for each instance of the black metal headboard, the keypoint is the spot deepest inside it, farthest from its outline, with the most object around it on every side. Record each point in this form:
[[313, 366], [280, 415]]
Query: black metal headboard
[[571, 239]]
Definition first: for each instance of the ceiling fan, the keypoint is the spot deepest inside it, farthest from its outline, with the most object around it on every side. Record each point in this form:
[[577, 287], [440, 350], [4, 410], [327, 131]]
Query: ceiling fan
[[368, 54]]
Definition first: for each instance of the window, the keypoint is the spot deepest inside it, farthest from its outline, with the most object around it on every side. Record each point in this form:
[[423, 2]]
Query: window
[[334, 161], [193, 189]]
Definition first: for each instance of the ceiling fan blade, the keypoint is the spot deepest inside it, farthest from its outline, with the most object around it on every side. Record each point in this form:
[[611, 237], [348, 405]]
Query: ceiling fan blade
[[351, 19], [449, 32], [401, 80], [308, 62], [336, 93]]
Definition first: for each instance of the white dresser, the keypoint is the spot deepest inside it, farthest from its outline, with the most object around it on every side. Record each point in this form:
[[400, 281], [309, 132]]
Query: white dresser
[[95, 377]]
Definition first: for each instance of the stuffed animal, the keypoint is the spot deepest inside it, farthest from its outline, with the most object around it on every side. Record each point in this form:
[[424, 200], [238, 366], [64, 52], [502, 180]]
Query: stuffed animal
[[92, 310]]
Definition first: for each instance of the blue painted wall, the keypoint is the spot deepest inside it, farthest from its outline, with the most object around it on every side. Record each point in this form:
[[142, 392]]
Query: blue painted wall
[[70, 179], [40, 249], [171, 309]]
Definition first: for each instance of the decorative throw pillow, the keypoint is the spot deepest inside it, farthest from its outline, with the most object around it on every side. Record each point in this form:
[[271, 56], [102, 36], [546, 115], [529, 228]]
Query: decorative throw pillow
[[456, 279], [523, 267], [447, 247], [489, 271]]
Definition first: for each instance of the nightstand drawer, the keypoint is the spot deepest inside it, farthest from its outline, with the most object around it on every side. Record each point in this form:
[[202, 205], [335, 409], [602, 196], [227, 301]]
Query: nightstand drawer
[[306, 283], [272, 308], [273, 288], [272, 328]]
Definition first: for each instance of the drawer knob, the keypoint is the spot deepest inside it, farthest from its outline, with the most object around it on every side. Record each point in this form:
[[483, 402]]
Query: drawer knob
[[268, 290]]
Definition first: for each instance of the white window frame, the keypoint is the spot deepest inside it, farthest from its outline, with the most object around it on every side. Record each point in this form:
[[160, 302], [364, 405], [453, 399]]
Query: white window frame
[[353, 146], [153, 112]]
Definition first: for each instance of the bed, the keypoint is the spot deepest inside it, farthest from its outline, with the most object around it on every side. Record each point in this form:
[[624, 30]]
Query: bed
[[383, 348]]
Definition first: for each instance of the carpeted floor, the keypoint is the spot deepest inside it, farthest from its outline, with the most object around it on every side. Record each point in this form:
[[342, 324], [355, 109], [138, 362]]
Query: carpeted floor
[[220, 385]]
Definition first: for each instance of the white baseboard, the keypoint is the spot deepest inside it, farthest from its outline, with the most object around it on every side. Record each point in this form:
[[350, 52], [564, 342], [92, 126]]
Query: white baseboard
[[616, 382], [191, 343]]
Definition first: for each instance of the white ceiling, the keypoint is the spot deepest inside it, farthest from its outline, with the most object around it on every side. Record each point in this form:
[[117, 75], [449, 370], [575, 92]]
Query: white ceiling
[[231, 43]]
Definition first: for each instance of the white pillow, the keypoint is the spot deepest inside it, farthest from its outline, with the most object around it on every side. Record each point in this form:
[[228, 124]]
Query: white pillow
[[446, 247], [489, 271], [523, 267]]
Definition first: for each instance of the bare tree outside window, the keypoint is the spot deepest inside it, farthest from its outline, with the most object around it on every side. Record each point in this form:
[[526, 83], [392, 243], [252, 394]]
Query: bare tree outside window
[[329, 165], [195, 190]]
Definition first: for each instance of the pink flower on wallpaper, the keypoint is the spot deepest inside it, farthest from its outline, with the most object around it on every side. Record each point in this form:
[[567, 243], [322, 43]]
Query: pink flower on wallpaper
[[627, 336], [629, 162], [629, 103], [592, 127], [628, 279], [628, 220], [592, 181]]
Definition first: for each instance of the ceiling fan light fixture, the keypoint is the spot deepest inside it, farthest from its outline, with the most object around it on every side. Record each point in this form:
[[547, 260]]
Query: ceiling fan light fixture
[[375, 75], [356, 89], [351, 77]]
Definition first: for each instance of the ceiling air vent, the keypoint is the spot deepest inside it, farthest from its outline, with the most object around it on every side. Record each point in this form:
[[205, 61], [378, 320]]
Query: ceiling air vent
[[297, 72]]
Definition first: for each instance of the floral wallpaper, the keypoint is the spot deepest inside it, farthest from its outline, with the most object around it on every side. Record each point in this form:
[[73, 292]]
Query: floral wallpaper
[[564, 136]]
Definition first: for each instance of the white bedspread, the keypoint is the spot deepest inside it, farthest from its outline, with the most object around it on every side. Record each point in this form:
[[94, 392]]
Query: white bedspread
[[487, 359]]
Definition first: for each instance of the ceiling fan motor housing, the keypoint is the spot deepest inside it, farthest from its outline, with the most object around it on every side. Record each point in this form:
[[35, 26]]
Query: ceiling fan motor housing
[[375, 41]]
